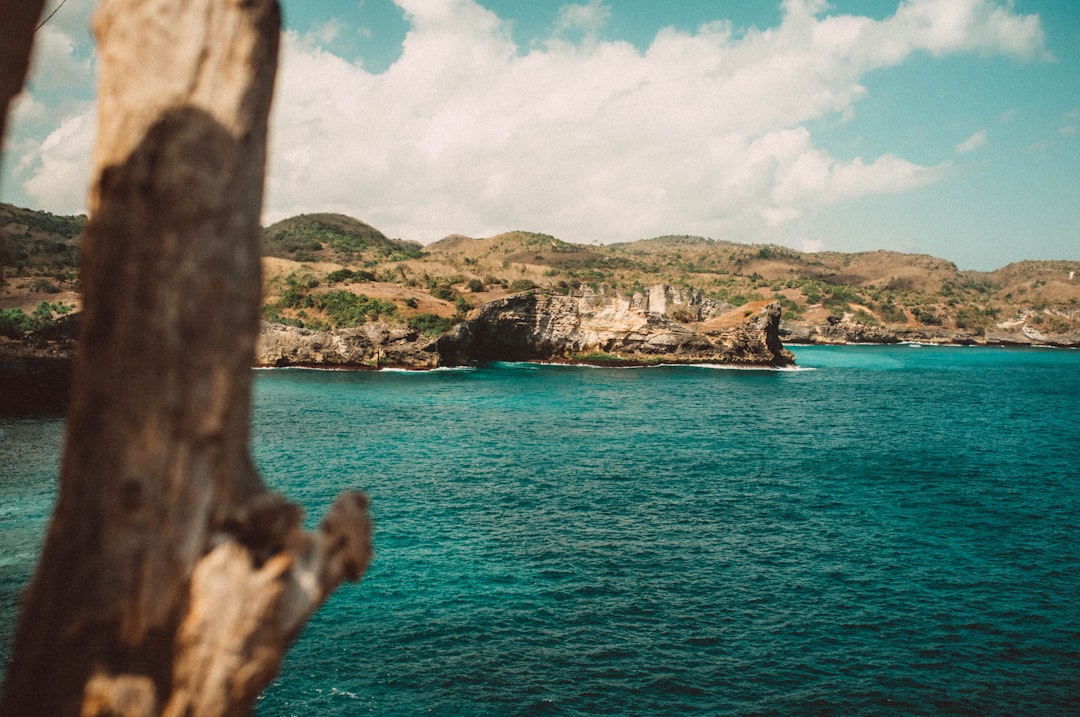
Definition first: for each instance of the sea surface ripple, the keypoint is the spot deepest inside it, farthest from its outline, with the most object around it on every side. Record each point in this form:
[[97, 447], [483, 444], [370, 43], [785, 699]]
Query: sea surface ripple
[[895, 532]]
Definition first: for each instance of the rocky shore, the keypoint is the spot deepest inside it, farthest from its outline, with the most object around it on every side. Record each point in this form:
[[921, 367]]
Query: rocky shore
[[35, 374], [589, 328], [658, 325], [1017, 332]]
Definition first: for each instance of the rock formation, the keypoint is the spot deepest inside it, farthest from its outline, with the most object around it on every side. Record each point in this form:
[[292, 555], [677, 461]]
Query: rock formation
[[373, 345], [590, 328], [542, 327], [1022, 330]]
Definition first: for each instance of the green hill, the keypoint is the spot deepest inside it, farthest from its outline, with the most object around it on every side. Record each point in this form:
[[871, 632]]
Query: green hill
[[313, 258], [333, 237]]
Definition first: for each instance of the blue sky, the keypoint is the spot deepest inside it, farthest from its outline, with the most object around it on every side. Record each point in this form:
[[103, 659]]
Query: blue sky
[[946, 127]]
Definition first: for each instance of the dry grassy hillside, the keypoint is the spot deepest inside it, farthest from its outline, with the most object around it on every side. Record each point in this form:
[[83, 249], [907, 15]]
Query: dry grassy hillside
[[324, 270]]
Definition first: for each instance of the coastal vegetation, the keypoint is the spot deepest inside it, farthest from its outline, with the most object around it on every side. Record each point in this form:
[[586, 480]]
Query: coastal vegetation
[[326, 271]]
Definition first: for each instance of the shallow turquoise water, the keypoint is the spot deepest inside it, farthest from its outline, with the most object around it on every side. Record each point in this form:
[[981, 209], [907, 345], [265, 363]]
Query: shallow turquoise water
[[895, 531]]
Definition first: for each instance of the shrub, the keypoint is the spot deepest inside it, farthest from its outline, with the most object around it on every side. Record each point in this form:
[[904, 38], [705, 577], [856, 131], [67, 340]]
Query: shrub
[[892, 313], [14, 323], [864, 318], [444, 292], [430, 324], [461, 307], [340, 275], [346, 309], [928, 317], [519, 285]]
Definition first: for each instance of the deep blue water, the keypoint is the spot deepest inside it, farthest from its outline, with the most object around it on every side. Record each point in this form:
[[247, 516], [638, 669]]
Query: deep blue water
[[896, 531]]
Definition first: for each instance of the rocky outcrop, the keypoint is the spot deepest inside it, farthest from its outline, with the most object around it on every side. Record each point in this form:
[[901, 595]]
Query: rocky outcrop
[[541, 327], [35, 372], [32, 383], [590, 328], [679, 302], [374, 345], [1024, 330], [843, 332]]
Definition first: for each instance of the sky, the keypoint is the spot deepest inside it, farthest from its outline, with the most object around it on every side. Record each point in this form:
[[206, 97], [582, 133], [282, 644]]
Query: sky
[[944, 127]]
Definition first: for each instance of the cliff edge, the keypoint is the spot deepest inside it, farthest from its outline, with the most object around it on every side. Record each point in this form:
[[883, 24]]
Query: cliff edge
[[597, 328]]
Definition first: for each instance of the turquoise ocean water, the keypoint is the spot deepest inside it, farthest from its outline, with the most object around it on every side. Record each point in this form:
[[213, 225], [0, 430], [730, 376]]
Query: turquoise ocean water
[[891, 530]]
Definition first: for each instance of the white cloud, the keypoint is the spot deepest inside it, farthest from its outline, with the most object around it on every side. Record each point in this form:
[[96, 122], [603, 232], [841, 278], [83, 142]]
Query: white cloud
[[62, 58], [25, 109], [59, 169], [972, 143], [944, 26], [588, 19], [704, 132]]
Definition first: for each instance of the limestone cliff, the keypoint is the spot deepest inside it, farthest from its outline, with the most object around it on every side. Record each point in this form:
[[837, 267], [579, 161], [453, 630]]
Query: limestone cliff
[[1044, 327], [593, 327], [373, 345]]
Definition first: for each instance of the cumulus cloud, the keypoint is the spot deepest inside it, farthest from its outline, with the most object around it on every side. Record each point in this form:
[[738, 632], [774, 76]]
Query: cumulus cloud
[[59, 61], [972, 143], [704, 132], [587, 19], [48, 148], [59, 168]]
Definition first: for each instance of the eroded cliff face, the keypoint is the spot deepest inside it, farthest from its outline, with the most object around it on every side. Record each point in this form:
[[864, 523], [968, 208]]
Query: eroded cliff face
[[593, 327], [1027, 328], [374, 345], [541, 327]]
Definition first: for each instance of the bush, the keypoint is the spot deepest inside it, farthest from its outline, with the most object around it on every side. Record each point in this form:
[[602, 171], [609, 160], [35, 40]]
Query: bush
[[14, 323], [430, 324], [892, 313], [340, 275], [519, 285], [346, 309], [864, 318], [444, 292], [928, 317], [475, 285], [461, 307]]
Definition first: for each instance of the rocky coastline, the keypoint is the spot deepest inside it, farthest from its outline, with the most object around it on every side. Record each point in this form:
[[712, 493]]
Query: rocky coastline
[[658, 325], [1015, 333], [35, 373], [590, 328]]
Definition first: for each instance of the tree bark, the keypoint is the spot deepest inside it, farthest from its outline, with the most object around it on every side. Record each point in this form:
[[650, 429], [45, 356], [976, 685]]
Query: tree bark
[[172, 580], [16, 36]]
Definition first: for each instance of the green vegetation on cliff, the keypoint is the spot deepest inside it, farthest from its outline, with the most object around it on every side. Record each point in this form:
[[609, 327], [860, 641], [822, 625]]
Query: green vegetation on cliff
[[329, 270], [313, 237]]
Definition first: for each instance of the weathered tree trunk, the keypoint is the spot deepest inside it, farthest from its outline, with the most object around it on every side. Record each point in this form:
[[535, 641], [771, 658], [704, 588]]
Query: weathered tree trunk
[[172, 580], [16, 34]]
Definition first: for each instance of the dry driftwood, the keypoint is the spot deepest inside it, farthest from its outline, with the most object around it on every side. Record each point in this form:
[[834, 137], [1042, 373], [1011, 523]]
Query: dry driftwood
[[171, 579]]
